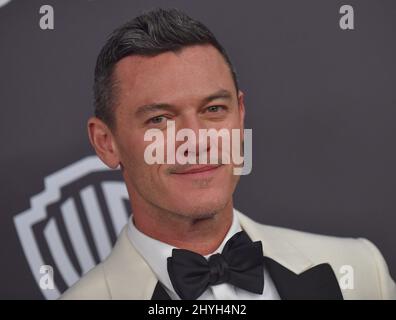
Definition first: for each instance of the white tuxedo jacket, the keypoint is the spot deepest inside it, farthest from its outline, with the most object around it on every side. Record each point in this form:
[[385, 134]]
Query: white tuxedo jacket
[[301, 265]]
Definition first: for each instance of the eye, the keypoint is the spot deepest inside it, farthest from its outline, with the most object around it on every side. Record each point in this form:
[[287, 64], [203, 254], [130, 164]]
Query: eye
[[157, 119], [215, 108]]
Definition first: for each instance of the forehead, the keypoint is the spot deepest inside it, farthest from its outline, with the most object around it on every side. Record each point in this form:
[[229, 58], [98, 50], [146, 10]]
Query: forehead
[[172, 77]]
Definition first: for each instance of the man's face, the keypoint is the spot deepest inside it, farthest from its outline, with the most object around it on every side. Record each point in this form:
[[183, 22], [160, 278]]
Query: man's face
[[195, 89]]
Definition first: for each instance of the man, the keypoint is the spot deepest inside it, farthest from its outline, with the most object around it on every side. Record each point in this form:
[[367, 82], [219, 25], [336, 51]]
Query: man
[[184, 239]]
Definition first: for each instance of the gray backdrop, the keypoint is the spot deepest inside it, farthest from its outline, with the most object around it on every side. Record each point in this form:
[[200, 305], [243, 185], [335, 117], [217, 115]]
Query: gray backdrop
[[321, 102]]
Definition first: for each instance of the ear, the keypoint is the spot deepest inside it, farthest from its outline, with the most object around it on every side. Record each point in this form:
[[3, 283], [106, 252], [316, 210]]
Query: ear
[[241, 110], [102, 140]]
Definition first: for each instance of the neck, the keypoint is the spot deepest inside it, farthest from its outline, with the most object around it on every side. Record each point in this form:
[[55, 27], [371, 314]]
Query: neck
[[202, 234]]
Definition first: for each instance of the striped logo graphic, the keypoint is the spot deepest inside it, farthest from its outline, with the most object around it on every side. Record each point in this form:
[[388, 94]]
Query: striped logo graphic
[[74, 222]]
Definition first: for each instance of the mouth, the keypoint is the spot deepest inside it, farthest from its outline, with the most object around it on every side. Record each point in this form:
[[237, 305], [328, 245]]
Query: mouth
[[198, 171]]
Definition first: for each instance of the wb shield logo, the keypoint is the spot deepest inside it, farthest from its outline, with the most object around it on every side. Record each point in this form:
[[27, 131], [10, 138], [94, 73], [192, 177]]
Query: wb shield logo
[[73, 223]]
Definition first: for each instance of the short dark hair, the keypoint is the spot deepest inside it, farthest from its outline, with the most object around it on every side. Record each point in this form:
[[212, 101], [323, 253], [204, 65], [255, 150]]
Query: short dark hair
[[149, 34]]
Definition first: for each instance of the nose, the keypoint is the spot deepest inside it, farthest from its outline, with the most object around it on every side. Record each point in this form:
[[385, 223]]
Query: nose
[[196, 144]]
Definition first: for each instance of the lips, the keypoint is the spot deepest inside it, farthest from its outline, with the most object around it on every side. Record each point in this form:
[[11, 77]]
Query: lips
[[197, 169]]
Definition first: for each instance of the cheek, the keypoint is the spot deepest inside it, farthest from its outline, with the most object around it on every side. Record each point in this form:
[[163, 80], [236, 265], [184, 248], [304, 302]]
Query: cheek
[[131, 154], [232, 122], [142, 167]]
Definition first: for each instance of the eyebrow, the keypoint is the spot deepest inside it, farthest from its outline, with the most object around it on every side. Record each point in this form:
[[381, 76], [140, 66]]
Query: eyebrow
[[221, 94], [149, 108]]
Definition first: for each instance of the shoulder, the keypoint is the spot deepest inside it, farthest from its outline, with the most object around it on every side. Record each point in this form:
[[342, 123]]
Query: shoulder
[[91, 286], [357, 256], [123, 275], [320, 247]]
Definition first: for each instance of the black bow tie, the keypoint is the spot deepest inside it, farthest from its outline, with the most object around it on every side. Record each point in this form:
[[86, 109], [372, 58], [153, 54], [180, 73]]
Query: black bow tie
[[240, 264]]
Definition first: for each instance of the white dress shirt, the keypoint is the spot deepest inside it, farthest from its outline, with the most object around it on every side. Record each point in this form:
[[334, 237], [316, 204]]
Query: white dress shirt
[[155, 253]]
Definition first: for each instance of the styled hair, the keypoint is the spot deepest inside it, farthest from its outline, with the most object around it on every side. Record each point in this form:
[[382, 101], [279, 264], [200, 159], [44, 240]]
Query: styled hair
[[149, 34]]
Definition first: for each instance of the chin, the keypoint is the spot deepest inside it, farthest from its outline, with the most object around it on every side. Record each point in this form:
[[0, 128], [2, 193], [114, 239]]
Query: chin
[[201, 208]]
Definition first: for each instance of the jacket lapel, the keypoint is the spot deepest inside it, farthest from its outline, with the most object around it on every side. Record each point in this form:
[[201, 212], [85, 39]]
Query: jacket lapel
[[317, 283], [160, 293], [127, 274], [295, 276]]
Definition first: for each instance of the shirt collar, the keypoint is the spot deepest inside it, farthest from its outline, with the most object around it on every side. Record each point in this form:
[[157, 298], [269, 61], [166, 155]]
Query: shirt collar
[[156, 252]]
